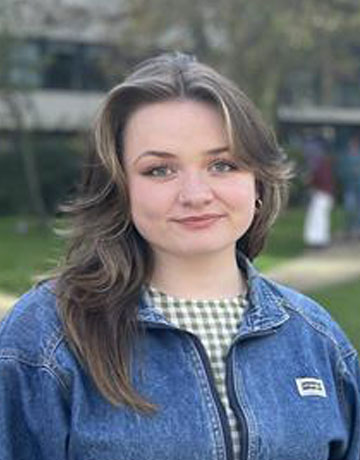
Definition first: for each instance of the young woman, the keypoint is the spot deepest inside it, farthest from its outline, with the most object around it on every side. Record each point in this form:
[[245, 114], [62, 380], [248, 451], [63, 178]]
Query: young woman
[[158, 339]]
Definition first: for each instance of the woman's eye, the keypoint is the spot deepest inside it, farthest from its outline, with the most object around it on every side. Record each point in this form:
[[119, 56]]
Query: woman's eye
[[159, 171], [223, 166]]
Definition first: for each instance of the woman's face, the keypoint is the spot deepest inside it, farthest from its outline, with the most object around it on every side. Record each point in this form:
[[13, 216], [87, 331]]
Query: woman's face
[[188, 195]]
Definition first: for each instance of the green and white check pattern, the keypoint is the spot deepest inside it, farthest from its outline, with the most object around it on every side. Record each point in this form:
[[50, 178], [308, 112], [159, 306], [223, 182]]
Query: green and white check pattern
[[215, 323]]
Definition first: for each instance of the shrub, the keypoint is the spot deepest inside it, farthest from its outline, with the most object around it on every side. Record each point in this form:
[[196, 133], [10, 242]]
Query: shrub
[[57, 165]]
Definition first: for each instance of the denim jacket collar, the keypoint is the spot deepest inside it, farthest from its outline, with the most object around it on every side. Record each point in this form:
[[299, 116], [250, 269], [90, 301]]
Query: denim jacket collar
[[265, 310]]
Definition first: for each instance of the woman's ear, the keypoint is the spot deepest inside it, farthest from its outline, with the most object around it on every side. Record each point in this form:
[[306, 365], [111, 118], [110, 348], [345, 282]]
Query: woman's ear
[[258, 204]]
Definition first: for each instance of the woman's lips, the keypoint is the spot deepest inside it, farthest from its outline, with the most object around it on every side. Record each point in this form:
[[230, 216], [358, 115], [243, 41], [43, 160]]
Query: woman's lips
[[199, 222]]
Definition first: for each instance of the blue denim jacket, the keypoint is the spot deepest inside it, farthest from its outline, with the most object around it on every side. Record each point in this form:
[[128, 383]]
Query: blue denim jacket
[[292, 376]]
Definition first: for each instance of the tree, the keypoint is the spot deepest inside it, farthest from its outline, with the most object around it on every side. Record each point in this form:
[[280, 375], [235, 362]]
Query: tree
[[256, 43], [16, 107]]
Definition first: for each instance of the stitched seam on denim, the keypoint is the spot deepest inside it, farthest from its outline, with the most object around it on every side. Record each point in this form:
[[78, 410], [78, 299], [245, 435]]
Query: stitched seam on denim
[[315, 325], [340, 380], [54, 341], [278, 297], [46, 359], [52, 345], [50, 360], [351, 353], [34, 365], [324, 331], [219, 440], [271, 294]]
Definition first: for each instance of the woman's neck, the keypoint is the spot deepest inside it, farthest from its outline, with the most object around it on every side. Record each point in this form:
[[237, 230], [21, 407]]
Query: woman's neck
[[201, 277]]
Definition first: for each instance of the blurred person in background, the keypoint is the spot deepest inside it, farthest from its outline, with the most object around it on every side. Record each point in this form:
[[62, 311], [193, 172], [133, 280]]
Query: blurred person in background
[[350, 177], [158, 339], [320, 179]]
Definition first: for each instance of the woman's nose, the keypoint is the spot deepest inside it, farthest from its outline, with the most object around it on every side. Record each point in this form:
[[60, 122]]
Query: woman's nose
[[195, 191]]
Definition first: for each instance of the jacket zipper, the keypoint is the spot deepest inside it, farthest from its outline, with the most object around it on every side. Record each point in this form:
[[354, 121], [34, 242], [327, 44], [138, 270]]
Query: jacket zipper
[[223, 417], [205, 361], [244, 434], [238, 411]]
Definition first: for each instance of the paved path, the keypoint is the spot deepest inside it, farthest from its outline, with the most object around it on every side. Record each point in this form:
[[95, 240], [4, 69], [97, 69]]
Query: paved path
[[6, 301], [312, 270], [318, 268]]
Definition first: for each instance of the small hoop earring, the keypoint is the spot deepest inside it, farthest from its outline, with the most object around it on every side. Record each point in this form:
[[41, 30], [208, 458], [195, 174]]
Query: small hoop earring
[[258, 203]]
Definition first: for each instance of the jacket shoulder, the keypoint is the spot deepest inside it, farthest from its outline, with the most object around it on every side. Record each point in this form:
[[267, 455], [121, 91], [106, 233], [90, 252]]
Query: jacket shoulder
[[31, 331], [315, 315]]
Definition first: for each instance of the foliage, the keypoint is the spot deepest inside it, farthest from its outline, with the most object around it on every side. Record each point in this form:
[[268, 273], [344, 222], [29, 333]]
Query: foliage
[[59, 167], [15, 106], [58, 164], [259, 44]]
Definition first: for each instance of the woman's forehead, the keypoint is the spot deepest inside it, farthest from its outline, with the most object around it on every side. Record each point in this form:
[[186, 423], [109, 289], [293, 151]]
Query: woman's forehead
[[172, 124]]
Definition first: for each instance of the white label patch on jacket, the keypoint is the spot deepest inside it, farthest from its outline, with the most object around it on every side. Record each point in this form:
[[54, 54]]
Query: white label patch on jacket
[[309, 386]]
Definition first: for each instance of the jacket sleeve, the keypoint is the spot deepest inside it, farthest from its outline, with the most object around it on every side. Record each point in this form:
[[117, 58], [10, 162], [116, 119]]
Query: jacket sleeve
[[350, 391], [33, 412]]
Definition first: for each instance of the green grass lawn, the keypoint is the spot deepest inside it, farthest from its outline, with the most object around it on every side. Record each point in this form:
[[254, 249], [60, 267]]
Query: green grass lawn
[[25, 255], [343, 303], [285, 240]]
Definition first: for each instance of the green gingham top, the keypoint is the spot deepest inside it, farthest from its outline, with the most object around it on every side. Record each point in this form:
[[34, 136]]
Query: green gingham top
[[214, 322]]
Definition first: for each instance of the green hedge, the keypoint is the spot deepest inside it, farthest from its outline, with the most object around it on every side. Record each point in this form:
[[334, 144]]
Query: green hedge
[[57, 161]]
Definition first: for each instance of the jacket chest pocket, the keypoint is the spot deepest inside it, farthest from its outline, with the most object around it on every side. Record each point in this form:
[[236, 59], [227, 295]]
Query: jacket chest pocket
[[292, 426], [290, 439]]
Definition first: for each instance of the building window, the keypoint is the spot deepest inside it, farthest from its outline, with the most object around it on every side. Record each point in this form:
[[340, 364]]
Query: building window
[[60, 61], [93, 67], [76, 66], [24, 65], [49, 64]]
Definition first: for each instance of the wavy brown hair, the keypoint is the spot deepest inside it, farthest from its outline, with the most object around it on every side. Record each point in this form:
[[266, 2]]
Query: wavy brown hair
[[108, 262]]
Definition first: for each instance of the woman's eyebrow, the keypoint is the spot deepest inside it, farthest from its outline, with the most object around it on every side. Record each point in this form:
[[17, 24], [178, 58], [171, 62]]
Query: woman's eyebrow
[[155, 153], [217, 150], [165, 154]]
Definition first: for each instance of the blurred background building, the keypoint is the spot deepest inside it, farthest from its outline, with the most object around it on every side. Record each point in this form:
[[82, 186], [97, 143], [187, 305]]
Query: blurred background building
[[298, 60], [58, 58]]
